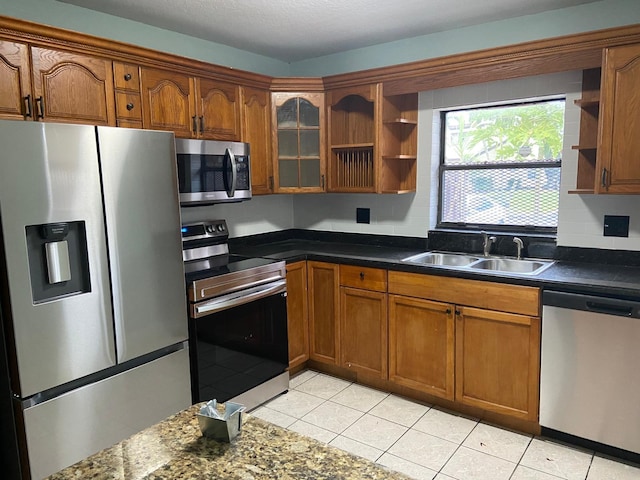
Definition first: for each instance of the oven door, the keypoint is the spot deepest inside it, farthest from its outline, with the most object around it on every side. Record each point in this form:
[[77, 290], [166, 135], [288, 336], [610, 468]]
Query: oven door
[[238, 342]]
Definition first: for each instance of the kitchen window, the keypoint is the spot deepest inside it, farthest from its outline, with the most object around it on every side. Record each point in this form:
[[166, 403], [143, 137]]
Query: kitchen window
[[500, 167]]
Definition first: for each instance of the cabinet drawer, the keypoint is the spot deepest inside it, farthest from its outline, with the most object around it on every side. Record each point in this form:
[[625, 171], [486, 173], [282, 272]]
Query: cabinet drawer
[[125, 77], [364, 278], [128, 106], [503, 297]]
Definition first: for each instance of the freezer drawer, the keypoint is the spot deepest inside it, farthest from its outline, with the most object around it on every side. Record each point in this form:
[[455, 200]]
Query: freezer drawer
[[589, 386], [71, 427]]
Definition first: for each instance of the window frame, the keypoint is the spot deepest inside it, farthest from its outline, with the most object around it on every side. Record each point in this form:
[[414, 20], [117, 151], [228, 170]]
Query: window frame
[[442, 168]]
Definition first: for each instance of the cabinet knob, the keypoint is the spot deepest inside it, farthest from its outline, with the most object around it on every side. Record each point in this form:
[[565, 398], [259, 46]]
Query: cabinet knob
[[361, 275], [127, 77], [129, 106], [448, 311]]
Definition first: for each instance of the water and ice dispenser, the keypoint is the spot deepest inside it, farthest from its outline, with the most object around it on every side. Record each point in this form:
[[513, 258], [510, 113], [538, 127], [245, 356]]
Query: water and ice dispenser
[[58, 260]]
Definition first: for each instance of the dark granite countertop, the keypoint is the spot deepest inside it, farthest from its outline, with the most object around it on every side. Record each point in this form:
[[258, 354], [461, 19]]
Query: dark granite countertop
[[605, 279], [175, 449]]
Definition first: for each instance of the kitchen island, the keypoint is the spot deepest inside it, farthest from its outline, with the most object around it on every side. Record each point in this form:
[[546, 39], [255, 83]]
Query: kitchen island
[[175, 449]]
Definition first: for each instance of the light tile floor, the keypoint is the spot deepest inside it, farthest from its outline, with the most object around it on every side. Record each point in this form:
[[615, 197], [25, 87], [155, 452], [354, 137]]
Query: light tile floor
[[427, 443]]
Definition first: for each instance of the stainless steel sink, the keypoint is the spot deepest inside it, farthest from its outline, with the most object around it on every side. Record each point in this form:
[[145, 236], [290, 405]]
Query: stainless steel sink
[[442, 259], [463, 261], [512, 265]]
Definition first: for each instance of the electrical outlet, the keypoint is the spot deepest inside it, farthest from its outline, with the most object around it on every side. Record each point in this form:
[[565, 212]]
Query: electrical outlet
[[616, 226], [363, 215]]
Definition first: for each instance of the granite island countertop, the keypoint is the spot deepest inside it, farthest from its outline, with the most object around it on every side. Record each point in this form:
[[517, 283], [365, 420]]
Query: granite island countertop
[[175, 449]]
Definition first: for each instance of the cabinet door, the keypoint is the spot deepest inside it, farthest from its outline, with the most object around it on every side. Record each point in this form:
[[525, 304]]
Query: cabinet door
[[298, 142], [167, 102], [15, 83], [256, 130], [324, 311], [619, 164], [73, 88], [297, 314], [421, 345], [218, 110], [363, 331], [498, 361]]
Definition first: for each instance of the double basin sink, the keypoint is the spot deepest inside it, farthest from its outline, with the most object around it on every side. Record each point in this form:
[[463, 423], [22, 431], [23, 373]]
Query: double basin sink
[[487, 264]]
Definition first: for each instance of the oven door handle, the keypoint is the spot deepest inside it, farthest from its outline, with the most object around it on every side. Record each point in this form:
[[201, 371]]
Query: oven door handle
[[240, 298]]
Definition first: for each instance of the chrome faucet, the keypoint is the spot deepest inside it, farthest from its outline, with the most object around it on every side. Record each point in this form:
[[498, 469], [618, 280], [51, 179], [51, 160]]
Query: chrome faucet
[[519, 244], [486, 243]]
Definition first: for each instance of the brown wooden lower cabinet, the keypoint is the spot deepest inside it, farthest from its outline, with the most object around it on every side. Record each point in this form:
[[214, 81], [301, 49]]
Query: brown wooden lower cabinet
[[363, 331], [324, 312], [421, 345], [498, 361], [476, 357], [297, 314]]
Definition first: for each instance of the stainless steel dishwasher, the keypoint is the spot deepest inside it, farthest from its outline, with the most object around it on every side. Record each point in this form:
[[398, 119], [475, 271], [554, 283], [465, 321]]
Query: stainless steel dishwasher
[[589, 379]]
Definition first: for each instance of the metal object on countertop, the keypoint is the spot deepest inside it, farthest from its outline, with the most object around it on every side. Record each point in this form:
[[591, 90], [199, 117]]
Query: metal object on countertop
[[223, 428]]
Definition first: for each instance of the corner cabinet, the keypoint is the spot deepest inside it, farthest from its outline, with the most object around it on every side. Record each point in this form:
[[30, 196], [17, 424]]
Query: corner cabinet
[[298, 125], [607, 151], [191, 107], [52, 85], [372, 140]]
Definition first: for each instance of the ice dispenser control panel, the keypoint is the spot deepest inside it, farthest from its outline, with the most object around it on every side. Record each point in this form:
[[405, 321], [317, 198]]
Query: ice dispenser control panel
[[58, 260]]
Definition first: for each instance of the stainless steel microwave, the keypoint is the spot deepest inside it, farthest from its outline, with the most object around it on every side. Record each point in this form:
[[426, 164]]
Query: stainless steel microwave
[[213, 171]]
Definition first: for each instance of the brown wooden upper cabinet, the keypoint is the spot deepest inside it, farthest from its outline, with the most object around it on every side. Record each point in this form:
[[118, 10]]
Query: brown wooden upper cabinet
[[607, 151], [126, 79], [191, 107], [298, 134], [353, 138], [51, 85], [372, 140], [255, 117], [618, 162]]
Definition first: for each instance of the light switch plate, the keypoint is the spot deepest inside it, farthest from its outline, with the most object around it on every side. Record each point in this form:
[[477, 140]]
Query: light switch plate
[[363, 215], [616, 226]]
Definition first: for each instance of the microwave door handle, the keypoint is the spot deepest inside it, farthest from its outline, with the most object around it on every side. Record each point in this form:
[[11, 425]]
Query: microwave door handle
[[231, 189]]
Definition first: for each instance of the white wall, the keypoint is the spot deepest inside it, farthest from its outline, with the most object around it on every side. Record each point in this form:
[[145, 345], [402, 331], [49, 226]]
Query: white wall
[[580, 217], [554, 23], [261, 214]]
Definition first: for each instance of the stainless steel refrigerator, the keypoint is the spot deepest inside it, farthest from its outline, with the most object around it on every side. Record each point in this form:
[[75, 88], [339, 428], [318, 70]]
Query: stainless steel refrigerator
[[93, 295]]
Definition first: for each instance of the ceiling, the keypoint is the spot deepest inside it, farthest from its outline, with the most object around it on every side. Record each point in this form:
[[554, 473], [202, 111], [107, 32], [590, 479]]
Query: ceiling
[[294, 30]]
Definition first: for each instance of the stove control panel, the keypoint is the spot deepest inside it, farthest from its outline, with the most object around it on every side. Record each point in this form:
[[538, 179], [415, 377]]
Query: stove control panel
[[211, 229]]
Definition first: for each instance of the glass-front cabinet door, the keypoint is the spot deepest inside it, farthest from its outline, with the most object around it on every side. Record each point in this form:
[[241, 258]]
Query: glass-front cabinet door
[[299, 147]]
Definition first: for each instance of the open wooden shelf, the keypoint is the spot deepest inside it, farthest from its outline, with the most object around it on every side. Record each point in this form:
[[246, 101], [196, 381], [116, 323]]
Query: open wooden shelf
[[403, 121], [588, 142], [349, 146]]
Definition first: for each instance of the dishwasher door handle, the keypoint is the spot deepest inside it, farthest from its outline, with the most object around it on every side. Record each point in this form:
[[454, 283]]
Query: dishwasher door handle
[[610, 309]]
